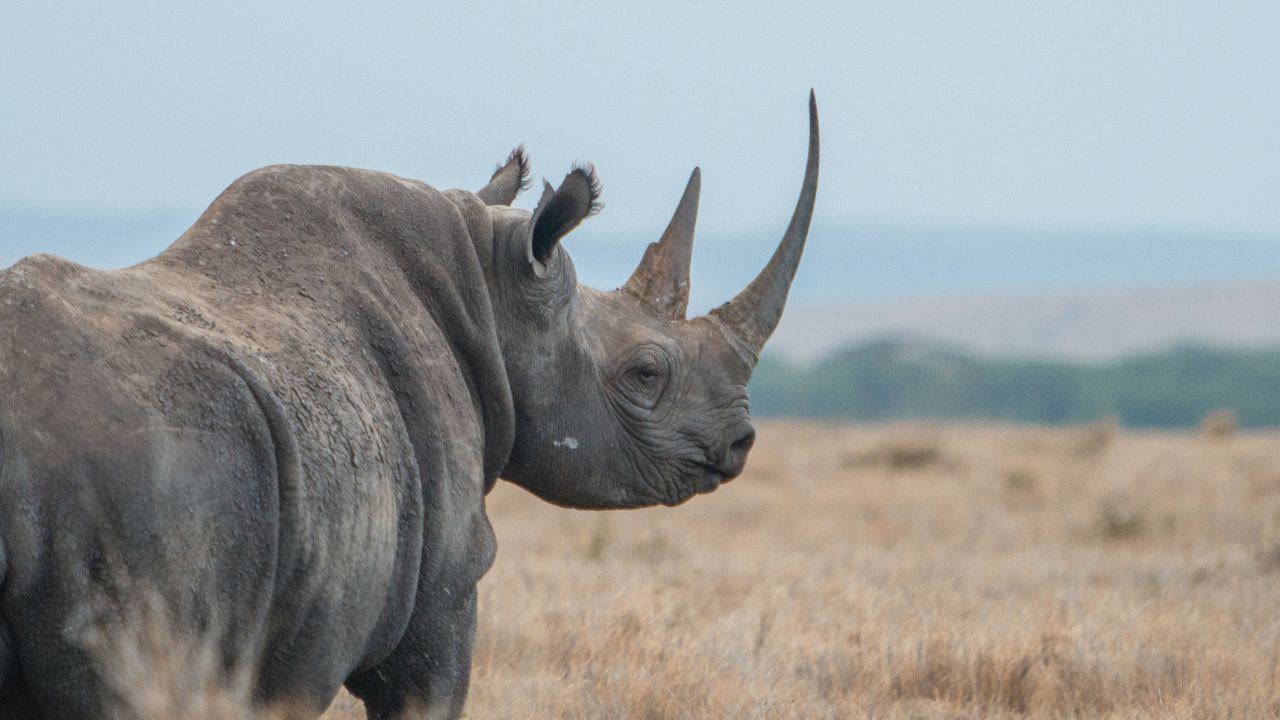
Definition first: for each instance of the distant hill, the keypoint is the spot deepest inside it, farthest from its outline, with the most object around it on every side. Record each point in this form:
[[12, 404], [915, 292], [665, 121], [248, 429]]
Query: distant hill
[[1019, 293], [105, 241], [842, 265], [890, 380], [1083, 325]]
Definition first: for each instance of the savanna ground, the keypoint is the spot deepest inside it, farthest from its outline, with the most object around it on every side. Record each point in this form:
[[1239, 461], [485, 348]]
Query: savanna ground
[[962, 571]]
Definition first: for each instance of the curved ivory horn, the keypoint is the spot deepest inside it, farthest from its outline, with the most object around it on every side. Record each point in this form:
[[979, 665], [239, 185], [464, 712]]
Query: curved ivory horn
[[755, 312], [662, 278]]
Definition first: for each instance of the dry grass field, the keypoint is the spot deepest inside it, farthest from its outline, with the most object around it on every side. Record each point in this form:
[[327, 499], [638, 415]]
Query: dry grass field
[[903, 572]]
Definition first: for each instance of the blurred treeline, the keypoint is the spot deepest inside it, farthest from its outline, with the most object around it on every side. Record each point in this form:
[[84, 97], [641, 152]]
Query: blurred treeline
[[896, 379]]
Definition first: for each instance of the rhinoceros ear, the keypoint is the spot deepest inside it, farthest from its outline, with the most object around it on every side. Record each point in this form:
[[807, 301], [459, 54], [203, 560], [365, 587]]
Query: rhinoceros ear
[[560, 210], [508, 180]]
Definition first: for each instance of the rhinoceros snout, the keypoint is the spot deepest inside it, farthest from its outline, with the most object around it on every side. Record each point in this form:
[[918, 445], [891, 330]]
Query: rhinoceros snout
[[735, 458]]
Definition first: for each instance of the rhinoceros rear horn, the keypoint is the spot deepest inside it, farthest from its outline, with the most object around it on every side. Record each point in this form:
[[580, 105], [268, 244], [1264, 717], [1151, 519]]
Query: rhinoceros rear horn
[[508, 180], [755, 312], [662, 278], [560, 210]]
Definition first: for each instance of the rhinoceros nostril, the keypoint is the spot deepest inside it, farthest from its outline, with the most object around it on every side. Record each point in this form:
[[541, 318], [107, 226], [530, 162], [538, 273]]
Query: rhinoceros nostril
[[736, 459]]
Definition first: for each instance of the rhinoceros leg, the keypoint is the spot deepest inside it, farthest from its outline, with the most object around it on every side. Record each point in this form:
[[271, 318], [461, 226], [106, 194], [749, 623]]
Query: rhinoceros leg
[[16, 700], [427, 675], [17, 703], [8, 651]]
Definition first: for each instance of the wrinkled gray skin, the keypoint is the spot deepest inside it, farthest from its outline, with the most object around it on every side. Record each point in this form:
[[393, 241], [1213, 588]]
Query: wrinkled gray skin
[[284, 426]]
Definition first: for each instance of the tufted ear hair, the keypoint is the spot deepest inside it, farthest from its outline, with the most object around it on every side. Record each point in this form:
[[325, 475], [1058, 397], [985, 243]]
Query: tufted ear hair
[[562, 209], [508, 180]]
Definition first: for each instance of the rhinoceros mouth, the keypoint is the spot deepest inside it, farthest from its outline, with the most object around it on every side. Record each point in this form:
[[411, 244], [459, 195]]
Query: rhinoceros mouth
[[723, 471], [709, 478]]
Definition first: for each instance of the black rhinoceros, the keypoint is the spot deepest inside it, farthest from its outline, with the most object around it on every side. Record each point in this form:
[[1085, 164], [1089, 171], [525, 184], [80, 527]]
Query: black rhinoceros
[[284, 426]]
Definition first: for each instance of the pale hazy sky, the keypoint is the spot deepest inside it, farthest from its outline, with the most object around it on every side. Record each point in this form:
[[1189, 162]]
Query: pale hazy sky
[[1100, 114]]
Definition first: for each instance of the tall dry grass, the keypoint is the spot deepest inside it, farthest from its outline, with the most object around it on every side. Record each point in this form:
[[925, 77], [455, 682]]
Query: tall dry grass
[[902, 572]]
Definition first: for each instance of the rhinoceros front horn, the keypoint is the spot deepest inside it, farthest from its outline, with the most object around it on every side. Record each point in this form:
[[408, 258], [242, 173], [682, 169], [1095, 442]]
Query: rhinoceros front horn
[[662, 278], [755, 312]]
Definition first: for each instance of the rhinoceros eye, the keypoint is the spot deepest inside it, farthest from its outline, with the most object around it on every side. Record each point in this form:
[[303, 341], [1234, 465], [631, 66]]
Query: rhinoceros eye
[[644, 378], [646, 374]]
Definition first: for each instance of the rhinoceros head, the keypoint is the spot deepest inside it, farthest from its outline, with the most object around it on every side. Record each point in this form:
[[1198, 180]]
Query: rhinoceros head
[[620, 400]]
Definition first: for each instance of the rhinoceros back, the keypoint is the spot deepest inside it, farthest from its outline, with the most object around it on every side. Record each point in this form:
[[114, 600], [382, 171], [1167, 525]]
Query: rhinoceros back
[[273, 426]]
